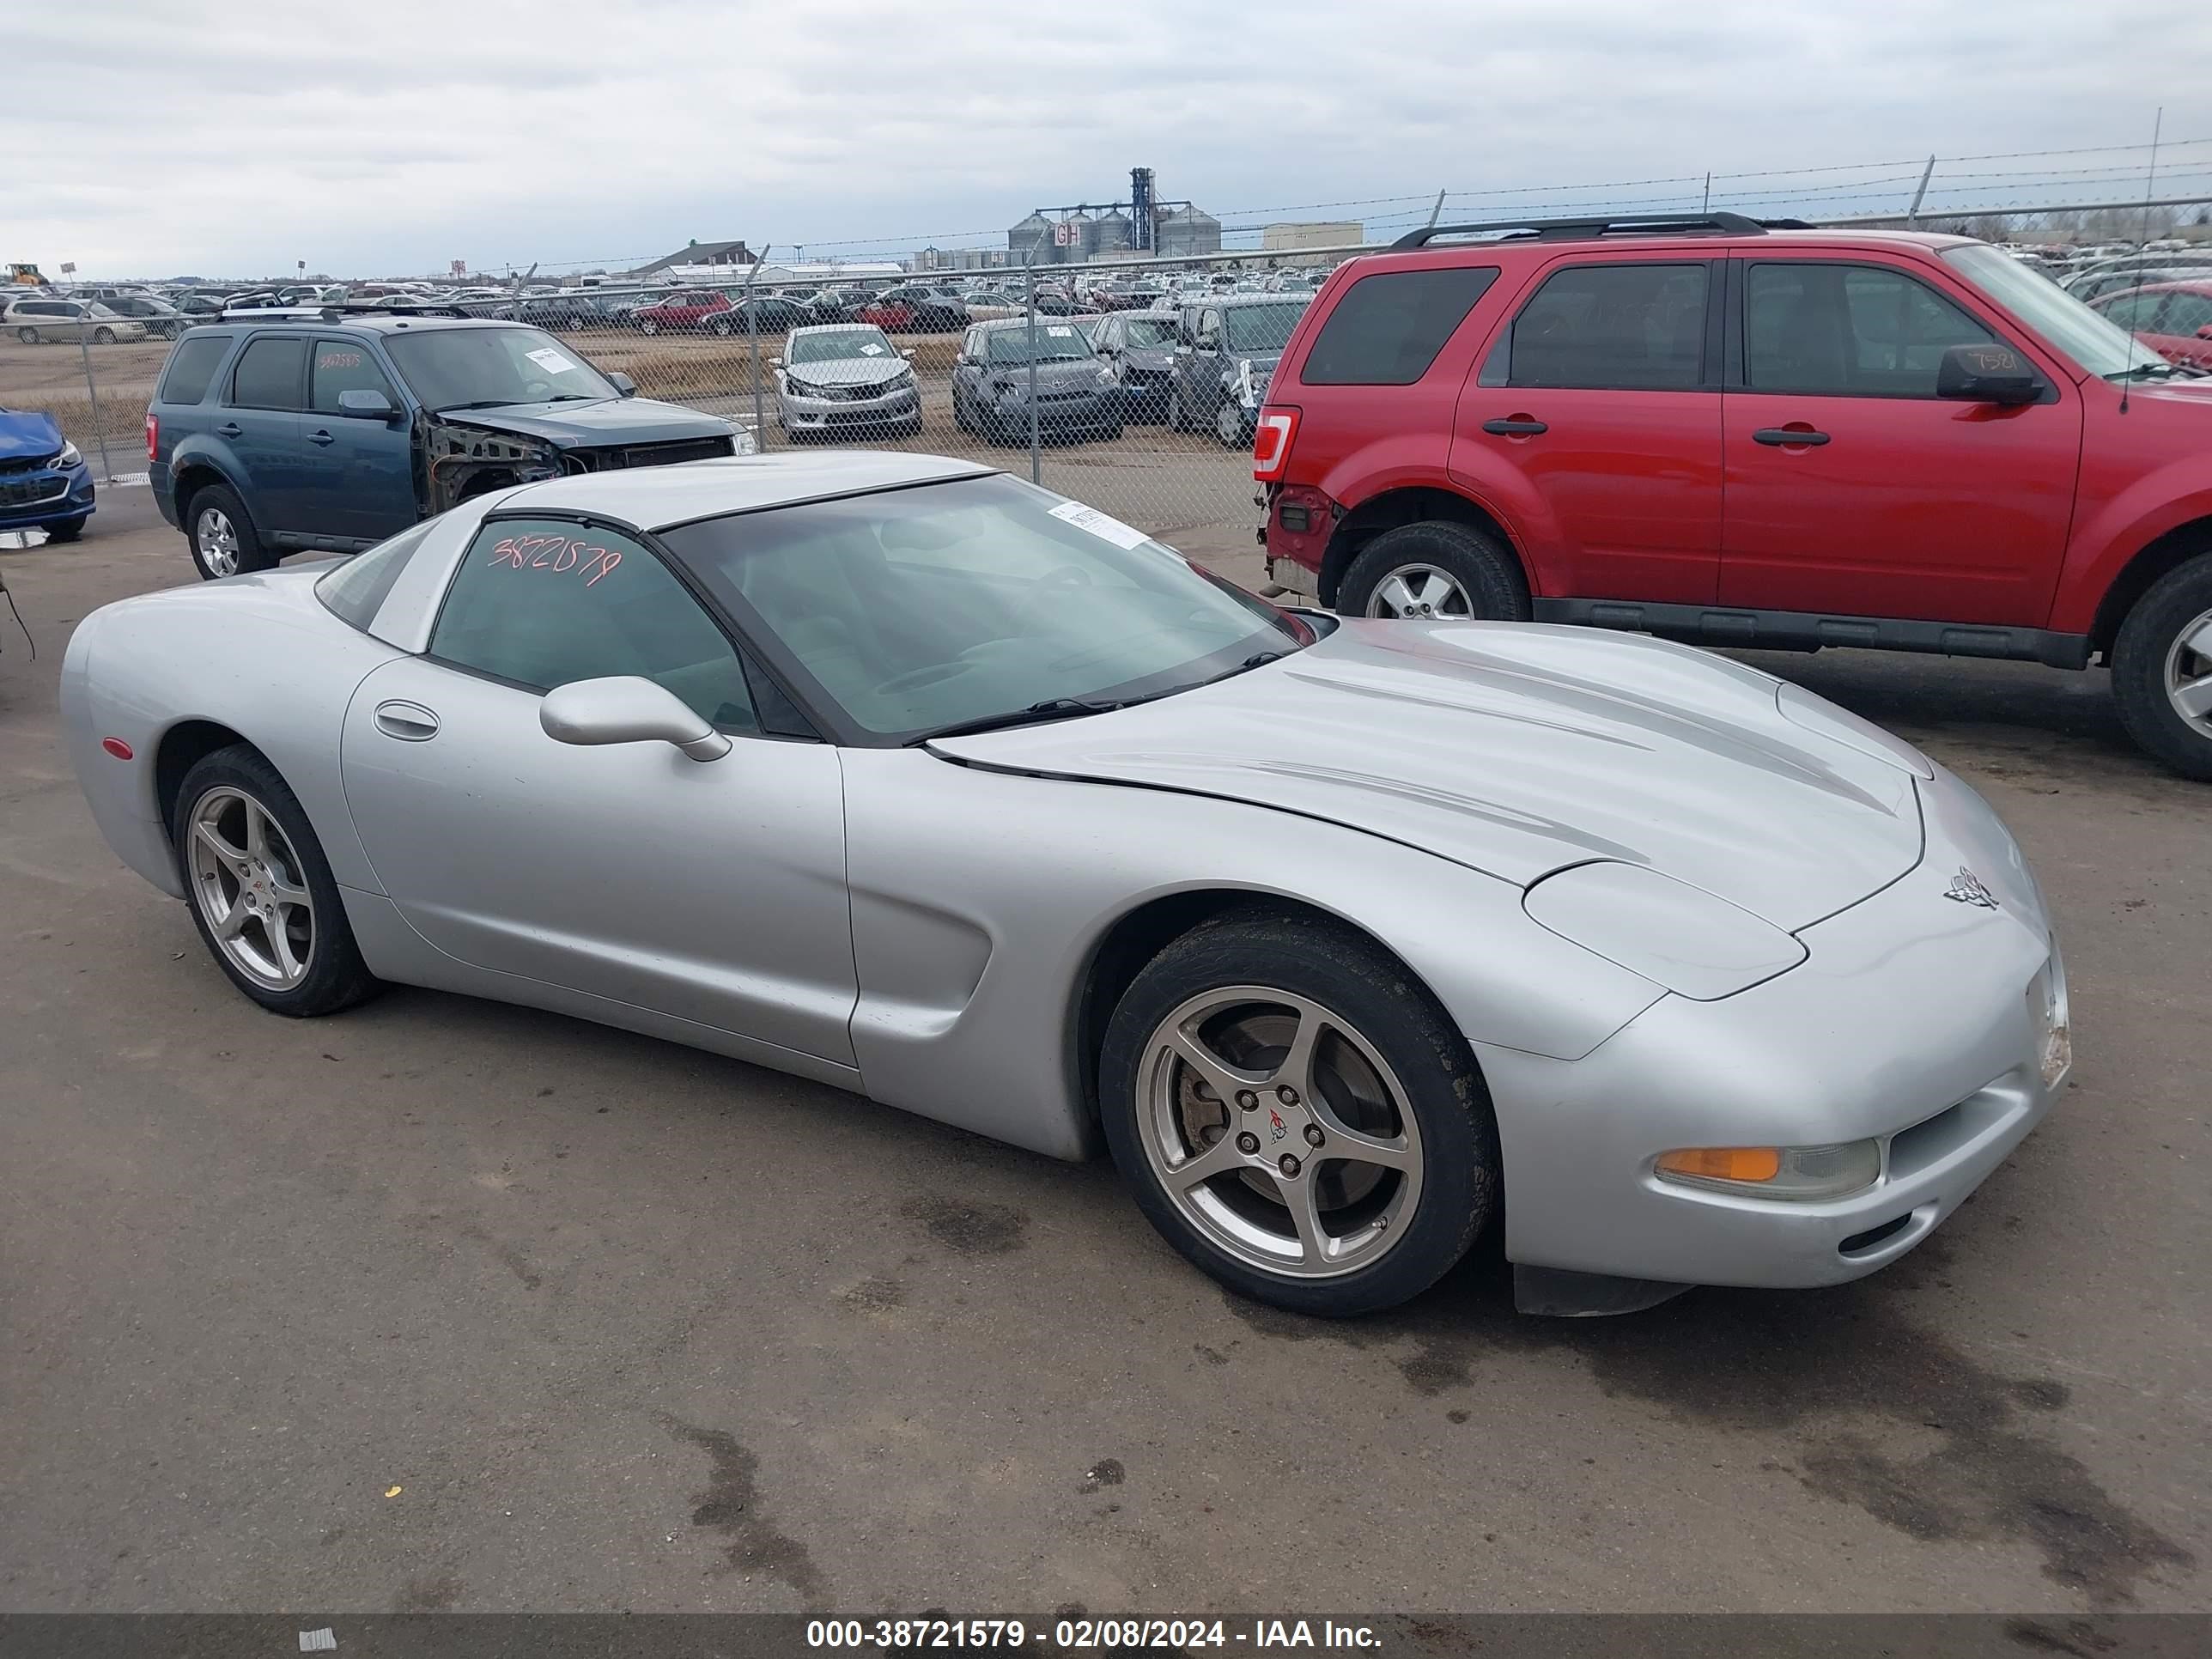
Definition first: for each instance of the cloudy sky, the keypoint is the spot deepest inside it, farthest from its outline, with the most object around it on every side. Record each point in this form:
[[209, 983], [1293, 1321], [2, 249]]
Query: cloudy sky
[[390, 137]]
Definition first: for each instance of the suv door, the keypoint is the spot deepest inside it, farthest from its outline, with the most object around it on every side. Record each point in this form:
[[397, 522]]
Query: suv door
[[1852, 489], [364, 467], [260, 422], [1593, 424], [710, 891]]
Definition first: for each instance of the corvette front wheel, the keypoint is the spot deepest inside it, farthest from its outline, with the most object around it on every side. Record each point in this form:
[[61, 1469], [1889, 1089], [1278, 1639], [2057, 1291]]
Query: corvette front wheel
[[1297, 1115]]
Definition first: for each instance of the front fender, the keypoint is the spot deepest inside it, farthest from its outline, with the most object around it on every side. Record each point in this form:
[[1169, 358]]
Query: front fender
[[973, 950], [2165, 500]]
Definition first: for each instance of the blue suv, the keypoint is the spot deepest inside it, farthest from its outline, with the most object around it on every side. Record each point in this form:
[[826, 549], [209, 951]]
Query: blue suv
[[326, 429], [44, 482]]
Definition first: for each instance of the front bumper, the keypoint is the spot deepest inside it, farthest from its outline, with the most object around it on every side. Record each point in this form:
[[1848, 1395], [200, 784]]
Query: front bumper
[[48, 496], [1064, 412], [1917, 1021], [803, 414]]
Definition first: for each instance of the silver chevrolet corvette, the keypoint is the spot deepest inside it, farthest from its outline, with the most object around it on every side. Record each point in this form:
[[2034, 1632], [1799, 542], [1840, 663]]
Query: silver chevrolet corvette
[[1348, 939]]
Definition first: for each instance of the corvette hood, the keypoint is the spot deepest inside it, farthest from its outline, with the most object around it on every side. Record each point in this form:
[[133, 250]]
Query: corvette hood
[[1518, 749]]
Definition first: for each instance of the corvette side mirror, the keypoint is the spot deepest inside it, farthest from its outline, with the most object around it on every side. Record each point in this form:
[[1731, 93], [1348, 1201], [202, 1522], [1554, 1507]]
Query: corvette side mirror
[[627, 708]]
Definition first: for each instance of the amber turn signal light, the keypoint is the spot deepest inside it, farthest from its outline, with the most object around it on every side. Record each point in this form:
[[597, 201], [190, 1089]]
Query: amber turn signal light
[[1724, 1162]]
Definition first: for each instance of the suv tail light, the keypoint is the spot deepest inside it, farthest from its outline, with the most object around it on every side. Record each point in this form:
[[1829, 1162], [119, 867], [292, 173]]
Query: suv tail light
[[1273, 434], [152, 432]]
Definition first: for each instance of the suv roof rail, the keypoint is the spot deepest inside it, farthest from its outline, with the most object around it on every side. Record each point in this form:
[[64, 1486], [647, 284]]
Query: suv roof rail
[[1576, 230], [338, 313]]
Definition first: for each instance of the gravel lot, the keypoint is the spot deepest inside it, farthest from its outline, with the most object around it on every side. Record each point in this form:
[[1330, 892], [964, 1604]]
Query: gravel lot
[[444, 1305]]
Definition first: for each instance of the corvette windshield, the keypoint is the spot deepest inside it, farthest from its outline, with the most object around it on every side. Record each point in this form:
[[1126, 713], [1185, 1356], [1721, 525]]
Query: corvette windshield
[[977, 600]]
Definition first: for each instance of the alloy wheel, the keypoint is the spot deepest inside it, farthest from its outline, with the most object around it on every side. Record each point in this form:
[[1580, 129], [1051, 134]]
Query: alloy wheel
[[216, 538], [1417, 591], [2189, 675], [251, 888], [1280, 1131]]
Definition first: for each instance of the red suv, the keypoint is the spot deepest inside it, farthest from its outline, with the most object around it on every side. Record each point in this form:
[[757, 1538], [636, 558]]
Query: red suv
[[2175, 319], [1743, 434]]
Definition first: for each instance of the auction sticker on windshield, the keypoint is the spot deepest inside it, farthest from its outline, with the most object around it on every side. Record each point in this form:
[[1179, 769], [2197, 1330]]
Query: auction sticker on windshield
[[550, 361], [1099, 525], [871, 350]]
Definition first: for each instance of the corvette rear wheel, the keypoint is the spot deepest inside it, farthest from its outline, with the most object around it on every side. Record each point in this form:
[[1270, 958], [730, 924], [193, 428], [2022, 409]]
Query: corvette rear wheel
[[259, 889], [1297, 1116]]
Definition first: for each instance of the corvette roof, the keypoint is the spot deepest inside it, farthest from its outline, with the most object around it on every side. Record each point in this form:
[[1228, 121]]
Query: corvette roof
[[655, 497]]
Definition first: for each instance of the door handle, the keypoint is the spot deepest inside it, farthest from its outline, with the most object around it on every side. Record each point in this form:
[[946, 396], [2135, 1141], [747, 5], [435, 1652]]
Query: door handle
[[1520, 426], [1782, 436], [229, 430], [318, 436], [410, 722]]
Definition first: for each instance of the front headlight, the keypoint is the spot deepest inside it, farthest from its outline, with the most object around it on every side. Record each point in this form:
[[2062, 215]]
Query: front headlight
[[742, 441], [1801, 1174], [69, 457], [1696, 944]]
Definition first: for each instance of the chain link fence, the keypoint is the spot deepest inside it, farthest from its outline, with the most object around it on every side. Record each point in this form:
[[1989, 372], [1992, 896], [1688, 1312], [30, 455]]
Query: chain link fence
[[1129, 382]]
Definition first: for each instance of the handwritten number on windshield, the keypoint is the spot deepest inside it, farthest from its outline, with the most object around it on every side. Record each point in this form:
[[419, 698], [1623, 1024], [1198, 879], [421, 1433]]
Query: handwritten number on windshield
[[558, 553]]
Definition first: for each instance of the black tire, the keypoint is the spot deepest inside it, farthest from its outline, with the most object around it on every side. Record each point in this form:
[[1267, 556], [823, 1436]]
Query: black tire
[[1177, 418], [251, 554], [336, 976], [1358, 982], [2149, 639], [27, 335], [68, 530], [960, 412], [103, 336], [1489, 578]]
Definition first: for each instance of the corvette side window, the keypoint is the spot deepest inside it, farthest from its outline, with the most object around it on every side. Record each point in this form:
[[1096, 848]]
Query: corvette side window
[[543, 602]]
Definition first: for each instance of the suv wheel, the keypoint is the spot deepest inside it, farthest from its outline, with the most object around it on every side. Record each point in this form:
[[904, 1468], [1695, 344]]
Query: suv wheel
[[223, 539], [1422, 571], [27, 336], [2162, 669]]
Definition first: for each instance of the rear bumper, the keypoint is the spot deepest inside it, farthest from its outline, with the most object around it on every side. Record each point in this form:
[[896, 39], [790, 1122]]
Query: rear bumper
[[1916, 1022]]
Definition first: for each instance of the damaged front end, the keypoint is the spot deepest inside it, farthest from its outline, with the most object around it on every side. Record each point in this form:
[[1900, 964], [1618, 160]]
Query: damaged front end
[[462, 460]]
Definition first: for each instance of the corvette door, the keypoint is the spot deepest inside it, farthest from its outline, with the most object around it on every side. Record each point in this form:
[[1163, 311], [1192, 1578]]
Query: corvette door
[[713, 891]]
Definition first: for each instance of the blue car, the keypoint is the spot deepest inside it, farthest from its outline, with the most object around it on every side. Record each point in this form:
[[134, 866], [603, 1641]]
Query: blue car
[[44, 482], [334, 430]]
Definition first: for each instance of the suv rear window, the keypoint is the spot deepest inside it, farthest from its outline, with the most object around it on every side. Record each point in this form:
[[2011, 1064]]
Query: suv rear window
[[1387, 328], [193, 366], [1618, 326]]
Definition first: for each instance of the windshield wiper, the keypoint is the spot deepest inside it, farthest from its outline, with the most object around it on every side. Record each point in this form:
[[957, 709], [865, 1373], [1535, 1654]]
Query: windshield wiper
[[1052, 708], [481, 403], [2160, 371]]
